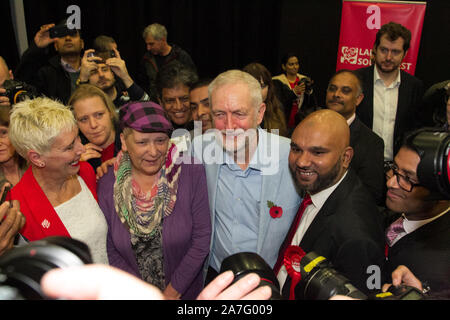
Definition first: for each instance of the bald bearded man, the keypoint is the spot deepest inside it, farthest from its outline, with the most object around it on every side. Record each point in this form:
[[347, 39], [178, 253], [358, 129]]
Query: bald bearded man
[[342, 223]]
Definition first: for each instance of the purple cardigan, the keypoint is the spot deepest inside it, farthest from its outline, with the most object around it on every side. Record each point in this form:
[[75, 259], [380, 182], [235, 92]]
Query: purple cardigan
[[186, 232]]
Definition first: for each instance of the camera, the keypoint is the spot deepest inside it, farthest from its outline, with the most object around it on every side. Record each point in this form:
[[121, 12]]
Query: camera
[[18, 91], [308, 84], [61, 30], [104, 55], [433, 171], [244, 263], [22, 268], [320, 281]]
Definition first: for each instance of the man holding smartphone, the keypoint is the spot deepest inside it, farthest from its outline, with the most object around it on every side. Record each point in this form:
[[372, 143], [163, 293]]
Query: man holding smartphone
[[54, 76]]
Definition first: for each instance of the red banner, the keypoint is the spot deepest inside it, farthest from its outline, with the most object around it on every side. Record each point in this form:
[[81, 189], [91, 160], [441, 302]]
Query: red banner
[[360, 22]]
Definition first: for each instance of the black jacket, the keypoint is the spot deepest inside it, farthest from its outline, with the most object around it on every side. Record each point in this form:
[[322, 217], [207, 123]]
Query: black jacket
[[146, 75], [426, 252], [409, 104], [368, 159], [42, 70], [348, 232]]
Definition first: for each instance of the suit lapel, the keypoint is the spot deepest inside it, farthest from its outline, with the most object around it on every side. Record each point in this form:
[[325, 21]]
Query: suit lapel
[[270, 185], [213, 176], [329, 208], [269, 188]]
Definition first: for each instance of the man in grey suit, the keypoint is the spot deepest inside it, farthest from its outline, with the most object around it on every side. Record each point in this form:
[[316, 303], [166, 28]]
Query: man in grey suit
[[344, 94], [252, 195]]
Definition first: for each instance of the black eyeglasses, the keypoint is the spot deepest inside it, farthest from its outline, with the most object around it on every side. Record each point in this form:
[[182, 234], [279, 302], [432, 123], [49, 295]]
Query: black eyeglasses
[[404, 182]]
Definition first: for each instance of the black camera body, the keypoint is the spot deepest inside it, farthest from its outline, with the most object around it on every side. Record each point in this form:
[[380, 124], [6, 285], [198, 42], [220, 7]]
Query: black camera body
[[308, 84], [18, 91], [22, 268], [244, 263], [320, 281], [433, 170]]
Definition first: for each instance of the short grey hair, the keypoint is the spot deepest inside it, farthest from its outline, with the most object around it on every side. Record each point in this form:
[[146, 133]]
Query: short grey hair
[[158, 31], [238, 77]]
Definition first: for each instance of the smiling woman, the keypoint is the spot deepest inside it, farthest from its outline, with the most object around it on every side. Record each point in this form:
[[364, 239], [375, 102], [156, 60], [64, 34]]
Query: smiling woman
[[156, 207], [57, 193]]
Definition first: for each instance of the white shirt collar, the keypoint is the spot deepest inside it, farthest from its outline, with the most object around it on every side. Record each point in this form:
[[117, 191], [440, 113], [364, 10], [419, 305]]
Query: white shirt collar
[[351, 119], [412, 225], [376, 78], [319, 198]]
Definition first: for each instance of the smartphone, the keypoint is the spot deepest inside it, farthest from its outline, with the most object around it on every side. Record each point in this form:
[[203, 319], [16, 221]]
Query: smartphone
[[5, 193], [60, 31]]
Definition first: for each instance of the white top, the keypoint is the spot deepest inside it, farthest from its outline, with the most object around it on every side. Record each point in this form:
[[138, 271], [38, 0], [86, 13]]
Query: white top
[[318, 200], [385, 101], [84, 220]]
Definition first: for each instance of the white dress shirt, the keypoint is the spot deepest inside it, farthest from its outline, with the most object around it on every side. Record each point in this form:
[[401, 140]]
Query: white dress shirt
[[385, 101], [318, 200]]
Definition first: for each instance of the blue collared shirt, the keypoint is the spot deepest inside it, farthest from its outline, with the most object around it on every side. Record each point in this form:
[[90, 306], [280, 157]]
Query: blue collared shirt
[[237, 210]]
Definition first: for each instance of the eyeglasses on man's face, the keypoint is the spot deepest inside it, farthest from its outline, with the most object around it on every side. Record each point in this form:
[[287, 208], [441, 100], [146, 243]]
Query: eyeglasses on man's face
[[403, 181]]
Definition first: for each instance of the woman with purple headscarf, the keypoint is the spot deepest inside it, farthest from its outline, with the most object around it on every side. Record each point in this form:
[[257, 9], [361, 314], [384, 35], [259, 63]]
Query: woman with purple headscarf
[[156, 207]]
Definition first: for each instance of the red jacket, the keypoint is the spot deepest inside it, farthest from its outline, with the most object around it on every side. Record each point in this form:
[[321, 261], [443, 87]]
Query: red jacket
[[41, 218]]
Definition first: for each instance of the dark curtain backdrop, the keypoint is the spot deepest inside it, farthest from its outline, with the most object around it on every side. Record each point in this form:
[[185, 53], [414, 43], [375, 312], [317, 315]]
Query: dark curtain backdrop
[[8, 46], [225, 34]]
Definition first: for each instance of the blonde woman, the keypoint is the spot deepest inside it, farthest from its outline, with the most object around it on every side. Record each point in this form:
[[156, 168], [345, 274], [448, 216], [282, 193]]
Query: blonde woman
[[97, 120], [57, 193]]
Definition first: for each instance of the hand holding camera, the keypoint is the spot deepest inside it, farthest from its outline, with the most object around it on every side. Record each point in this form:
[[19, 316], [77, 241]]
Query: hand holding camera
[[88, 64], [42, 38], [4, 100], [118, 66]]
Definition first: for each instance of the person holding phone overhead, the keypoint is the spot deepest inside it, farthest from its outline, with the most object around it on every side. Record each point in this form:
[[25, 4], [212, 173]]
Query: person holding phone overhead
[[53, 76]]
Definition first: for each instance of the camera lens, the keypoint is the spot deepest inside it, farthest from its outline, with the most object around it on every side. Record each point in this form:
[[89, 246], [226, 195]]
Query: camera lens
[[321, 282], [244, 263], [22, 268]]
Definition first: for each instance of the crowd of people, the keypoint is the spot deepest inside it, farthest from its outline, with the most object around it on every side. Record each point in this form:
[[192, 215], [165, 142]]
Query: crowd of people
[[166, 176]]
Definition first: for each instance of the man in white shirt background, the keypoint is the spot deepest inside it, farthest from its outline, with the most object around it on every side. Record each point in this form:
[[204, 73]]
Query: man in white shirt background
[[393, 98]]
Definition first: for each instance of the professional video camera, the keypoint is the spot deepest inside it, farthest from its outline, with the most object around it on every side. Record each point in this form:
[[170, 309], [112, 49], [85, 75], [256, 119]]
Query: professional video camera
[[18, 91], [433, 170], [319, 280], [22, 268]]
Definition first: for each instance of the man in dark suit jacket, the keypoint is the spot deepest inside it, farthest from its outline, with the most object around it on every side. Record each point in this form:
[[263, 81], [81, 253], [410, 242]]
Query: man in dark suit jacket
[[391, 94], [344, 94], [55, 76], [422, 240], [342, 223]]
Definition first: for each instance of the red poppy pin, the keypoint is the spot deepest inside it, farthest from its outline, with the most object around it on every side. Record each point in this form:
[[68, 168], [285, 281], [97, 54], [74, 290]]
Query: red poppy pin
[[275, 211]]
